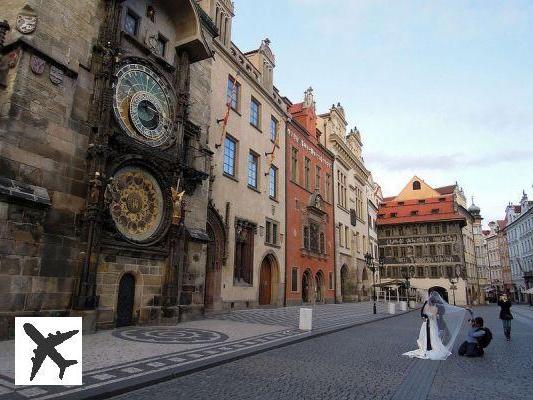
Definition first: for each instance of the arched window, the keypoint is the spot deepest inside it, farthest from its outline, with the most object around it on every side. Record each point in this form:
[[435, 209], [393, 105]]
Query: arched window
[[322, 243], [306, 237], [416, 185]]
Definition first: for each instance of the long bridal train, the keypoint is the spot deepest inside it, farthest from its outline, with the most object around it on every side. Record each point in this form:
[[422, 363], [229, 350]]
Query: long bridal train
[[440, 327]]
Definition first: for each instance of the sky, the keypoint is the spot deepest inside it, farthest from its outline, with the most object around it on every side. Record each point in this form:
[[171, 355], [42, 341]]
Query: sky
[[438, 89]]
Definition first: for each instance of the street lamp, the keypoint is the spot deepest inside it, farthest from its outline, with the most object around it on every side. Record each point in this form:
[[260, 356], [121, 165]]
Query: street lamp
[[370, 264], [410, 273], [453, 281], [381, 262]]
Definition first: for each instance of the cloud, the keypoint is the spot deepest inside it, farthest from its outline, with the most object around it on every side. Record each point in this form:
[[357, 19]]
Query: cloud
[[446, 161]]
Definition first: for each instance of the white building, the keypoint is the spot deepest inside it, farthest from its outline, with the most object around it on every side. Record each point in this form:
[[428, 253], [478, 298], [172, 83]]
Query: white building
[[520, 240]]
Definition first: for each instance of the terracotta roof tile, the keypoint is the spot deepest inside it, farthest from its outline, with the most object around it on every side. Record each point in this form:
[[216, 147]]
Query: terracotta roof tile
[[426, 210], [446, 189], [296, 108]]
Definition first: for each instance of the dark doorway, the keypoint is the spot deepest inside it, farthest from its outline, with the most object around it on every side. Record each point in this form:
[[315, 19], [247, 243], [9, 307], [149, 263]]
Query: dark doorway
[[344, 282], [216, 250], [265, 282], [126, 298], [306, 286], [319, 287], [440, 290]]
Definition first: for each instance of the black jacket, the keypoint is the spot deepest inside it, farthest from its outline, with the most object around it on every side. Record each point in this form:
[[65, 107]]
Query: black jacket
[[505, 309]]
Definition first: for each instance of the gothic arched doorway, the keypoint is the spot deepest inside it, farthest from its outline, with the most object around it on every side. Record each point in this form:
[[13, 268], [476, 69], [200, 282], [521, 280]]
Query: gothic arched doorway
[[265, 282], [125, 301], [440, 290], [319, 287], [306, 286], [344, 282], [216, 249]]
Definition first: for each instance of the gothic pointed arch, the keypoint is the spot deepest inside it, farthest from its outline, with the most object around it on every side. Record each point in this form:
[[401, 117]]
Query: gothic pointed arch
[[217, 228], [216, 257]]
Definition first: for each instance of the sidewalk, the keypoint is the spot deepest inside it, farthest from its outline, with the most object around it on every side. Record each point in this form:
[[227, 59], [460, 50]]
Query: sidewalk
[[119, 360]]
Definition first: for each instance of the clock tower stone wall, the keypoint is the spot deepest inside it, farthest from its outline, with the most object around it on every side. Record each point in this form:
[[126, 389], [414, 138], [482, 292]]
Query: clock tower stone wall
[[60, 253]]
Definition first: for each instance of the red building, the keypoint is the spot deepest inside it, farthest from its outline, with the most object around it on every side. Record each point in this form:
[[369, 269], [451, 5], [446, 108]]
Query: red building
[[310, 247]]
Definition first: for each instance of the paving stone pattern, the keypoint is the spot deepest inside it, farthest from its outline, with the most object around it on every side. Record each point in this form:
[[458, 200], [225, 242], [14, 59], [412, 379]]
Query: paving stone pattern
[[122, 356], [365, 362]]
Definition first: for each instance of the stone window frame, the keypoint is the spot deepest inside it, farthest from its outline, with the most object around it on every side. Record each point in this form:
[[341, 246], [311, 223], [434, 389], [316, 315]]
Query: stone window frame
[[162, 43], [272, 231], [273, 186], [137, 21], [274, 125], [294, 164], [243, 263], [307, 173], [233, 99], [252, 175], [234, 159], [255, 113], [295, 282]]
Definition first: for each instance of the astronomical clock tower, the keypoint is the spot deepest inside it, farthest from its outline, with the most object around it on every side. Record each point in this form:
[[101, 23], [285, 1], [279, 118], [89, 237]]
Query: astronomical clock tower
[[148, 161], [104, 160]]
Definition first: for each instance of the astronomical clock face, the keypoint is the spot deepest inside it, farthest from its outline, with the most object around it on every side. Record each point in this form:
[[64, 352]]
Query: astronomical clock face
[[144, 105], [137, 204]]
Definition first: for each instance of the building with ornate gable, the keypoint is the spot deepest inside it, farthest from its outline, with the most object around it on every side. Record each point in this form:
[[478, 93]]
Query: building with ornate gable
[[421, 234], [246, 214], [310, 240], [104, 160], [351, 217]]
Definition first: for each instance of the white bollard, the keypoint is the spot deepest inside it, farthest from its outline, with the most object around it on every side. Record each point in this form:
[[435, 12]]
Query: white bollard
[[306, 319], [392, 308], [412, 304], [403, 306]]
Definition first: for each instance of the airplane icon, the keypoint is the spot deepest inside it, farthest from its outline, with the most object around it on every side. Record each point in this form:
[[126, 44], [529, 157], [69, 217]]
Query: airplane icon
[[46, 347]]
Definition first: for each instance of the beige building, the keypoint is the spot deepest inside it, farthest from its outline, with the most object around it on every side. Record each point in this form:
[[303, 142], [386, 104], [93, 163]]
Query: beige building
[[246, 265], [351, 217], [480, 248], [374, 199]]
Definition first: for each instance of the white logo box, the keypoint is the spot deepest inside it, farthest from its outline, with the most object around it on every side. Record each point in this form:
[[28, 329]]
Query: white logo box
[[69, 350]]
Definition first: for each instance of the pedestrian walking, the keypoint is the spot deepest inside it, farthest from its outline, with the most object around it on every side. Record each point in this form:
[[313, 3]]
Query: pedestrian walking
[[505, 315]]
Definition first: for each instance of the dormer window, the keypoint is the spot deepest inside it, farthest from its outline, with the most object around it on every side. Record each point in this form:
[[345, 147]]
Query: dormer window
[[416, 185]]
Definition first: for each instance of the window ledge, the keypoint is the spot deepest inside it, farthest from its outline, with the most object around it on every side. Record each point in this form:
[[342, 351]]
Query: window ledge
[[273, 199], [256, 127], [276, 246], [230, 177], [236, 111], [253, 188], [242, 284], [343, 208]]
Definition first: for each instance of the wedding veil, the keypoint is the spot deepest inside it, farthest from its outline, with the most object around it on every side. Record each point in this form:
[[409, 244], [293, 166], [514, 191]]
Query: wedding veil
[[449, 319]]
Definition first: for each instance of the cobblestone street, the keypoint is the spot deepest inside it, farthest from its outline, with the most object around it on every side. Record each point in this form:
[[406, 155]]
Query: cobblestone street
[[365, 362], [117, 360]]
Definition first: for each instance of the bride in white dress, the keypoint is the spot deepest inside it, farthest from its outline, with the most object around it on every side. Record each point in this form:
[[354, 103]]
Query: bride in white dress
[[440, 325]]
